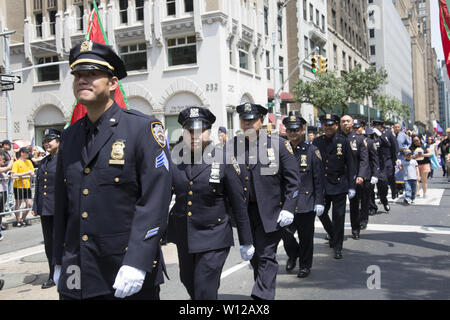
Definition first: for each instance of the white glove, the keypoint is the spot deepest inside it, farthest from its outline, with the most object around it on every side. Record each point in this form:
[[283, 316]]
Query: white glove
[[285, 218], [398, 162], [57, 274], [351, 193], [247, 252], [129, 280], [319, 209], [377, 132], [374, 180]]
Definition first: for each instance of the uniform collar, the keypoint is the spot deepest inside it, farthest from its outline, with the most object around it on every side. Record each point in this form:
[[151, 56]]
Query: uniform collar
[[105, 118]]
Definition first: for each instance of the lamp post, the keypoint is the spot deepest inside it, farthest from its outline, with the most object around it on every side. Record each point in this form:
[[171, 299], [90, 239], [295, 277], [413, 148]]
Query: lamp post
[[6, 33]]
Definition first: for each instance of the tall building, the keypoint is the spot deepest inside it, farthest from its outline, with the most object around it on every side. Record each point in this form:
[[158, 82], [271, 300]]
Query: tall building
[[178, 53], [444, 95], [390, 48]]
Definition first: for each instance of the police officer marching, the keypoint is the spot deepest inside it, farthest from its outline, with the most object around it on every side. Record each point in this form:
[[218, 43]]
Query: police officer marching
[[269, 174], [340, 175], [44, 195], [199, 224], [360, 153], [310, 199], [113, 189]]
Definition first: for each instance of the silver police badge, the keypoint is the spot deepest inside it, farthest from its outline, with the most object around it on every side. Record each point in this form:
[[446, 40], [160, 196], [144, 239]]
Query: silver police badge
[[46, 132], [117, 153], [247, 107], [86, 46], [214, 177], [353, 145], [193, 113], [304, 161]]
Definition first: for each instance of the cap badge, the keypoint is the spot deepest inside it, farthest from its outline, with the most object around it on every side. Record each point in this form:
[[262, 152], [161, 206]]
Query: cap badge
[[86, 46], [117, 152], [328, 116], [194, 113], [293, 118], [46, 132], [247, 107]]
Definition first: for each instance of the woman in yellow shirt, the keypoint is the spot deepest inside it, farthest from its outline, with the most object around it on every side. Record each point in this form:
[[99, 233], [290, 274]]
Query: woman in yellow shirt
[[21, 171]]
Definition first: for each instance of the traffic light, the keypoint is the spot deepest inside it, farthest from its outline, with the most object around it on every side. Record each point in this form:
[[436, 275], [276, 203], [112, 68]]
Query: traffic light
[[315, 64], [323, 64]]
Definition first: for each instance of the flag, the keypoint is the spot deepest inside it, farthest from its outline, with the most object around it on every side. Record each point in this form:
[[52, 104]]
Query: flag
[[97, 34], [444, 18], [437, 128]]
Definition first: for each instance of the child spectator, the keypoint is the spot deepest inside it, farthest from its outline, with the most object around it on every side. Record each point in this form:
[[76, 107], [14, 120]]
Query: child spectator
[[410, 169], [22, 170]]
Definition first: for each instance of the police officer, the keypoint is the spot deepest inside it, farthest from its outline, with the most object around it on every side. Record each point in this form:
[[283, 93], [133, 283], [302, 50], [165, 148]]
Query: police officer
[[367, 208], [360, 153], [113, 189], [199, 223], [310, 199], [44, 195], [340, 175], [269, 174]]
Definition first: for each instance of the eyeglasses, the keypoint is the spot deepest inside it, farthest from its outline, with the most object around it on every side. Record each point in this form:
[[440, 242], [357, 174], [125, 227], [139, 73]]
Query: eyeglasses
[[293, 130]]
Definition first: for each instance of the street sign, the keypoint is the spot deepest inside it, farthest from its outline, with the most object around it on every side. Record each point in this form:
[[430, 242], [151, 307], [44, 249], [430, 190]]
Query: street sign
[[268, 105], [7, 78], [7, 86]]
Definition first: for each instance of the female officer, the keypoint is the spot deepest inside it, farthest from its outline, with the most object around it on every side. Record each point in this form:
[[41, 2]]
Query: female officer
[[199, 223]]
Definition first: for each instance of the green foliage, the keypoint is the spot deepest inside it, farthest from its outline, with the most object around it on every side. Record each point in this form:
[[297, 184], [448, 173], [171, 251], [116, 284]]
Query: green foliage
[[390, 106]]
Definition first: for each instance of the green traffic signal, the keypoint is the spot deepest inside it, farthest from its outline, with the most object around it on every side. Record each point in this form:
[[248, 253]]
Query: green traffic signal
[[314, 62]]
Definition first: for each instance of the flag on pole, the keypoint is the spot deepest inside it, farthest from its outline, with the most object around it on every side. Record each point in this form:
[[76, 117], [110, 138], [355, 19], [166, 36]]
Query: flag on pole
[[97, 34], [437, 128], [444, 18]]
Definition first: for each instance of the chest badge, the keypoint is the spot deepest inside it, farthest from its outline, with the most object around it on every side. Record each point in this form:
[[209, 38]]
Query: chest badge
[[271, 156], [339, 149], [354, 146], [214, 177], [236, 165], [117, 153], [304, 161]]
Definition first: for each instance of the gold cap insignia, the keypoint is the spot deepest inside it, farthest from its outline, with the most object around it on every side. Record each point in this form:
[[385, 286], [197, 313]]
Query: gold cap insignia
[[46, 132], [293, 118], [328, 116], [86, 46]]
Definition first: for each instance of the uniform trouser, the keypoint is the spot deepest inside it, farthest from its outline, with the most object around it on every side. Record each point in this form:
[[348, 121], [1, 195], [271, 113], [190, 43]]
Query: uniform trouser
[[264, 261], [367, 189], [200, 272], [47, 231], [372, 204], [336, 228], [391, 180], [382, 187], [304, 225], [359, 203], [145, 294], [444, 165]]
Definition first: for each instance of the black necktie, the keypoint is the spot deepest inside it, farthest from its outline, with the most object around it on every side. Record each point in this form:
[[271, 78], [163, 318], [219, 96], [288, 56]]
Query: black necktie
[[90, 135]]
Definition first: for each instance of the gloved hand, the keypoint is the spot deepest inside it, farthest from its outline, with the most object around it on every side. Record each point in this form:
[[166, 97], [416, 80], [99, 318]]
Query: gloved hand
[[318, 208], [374, 180], [285, 218], [398, 162], [247, 252], [377, 132], [129, 280], [57, 274], [351, 193]]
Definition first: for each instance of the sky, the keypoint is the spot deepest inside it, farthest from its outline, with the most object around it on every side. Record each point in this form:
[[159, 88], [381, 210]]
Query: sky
[[436, 41]]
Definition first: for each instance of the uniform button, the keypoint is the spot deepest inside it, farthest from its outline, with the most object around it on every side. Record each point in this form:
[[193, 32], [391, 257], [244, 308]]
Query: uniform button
[[190, 193], [326, 175], [46, 172], [173, 188], [84, 215], [214, 190], [45, 187], [87, 170], [45, 180], [326, 161], [246, 178], [189, 213], [306, 192], [245, 198], [116, 179], [85, 238], [45, 193], [126, 249], [326, 168], [191, 183], [219, 220], [248, 168], [245, 189], [65, 180], [85, 192], [189, 203]]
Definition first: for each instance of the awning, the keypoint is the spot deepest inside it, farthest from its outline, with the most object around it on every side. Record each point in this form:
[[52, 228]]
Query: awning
[[284, 96], [282, 128]]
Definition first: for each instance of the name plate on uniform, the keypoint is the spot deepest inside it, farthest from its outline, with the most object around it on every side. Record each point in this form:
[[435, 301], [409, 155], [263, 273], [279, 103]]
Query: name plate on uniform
[[215, 173]]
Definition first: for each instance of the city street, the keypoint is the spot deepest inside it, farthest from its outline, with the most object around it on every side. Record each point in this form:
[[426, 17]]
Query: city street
[[401, 255]]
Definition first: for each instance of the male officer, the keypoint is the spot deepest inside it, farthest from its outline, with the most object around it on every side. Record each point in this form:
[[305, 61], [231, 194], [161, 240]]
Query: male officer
[[340, 175], [44, 195], [403, 142], [310, 199], [361, 161], [269, 174], [199, 223], [369, 207], [113, 189]]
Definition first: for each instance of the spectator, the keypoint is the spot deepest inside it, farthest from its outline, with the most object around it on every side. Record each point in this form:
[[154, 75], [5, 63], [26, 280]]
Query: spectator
[[410, 169], [3, 187], [310, 138], [9, 160], [22, 170], [422, 155], [444, 146]]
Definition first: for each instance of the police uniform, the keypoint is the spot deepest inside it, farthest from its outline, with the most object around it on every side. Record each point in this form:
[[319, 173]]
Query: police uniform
[[361, 159], [44, 199], [339, 178], [394, 152], [113, 190], [199, 223], [270, 183], [310, 167]]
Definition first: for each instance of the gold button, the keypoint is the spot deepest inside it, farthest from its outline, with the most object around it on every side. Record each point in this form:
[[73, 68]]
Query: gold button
[[126, 249], [326, 161], [116, 179], [85, 238], [326, 168], [173, 188], [45, 193], [84, 215], [87, 170], [326, 175], [85, 192], [246, 178], [155, 262], [189, 203], [248, 168], [46, 172], [306, 192], [45, 180], [190, 193], [219, 220], [45, 187], [65, 180], [281, 203], [214, 190], [189, 213], [245, 189], [191, 183]]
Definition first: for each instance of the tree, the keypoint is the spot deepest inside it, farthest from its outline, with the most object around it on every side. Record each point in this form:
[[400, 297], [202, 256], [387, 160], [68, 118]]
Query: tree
[[391, 107]]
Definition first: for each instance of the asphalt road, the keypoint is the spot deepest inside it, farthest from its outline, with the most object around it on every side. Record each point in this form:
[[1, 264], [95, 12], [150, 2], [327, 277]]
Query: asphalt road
[[402, 255]]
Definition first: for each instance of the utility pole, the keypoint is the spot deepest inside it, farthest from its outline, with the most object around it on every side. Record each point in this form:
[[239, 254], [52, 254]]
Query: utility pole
[[6, 35]]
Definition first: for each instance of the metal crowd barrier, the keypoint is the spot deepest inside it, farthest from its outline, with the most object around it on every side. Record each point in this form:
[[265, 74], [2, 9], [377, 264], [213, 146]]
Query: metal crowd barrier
[[8, 198]]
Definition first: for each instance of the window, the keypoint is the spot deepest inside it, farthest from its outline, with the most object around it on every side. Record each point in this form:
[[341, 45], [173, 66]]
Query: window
[[305, 11], [243, 55], [317, 18], [140, 10], [306, 46], [182, 51], [171, 10], [230, 51], [333, 19], [38, 24], [335, 56], [344, 61], [134, 56], [349, 63], [52, 18], [280, 25], [230, 125], [188, 5], [123, 7], [50, 73], [281, 69], [372, 50], [266, 20], [372, 33], [79, 11], [311, 12], [37, 5], [323, 23], [268, 65], [51, 3]]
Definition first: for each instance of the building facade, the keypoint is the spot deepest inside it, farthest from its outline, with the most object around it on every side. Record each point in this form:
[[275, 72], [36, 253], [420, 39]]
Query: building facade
[[178, 53], [444, 95]]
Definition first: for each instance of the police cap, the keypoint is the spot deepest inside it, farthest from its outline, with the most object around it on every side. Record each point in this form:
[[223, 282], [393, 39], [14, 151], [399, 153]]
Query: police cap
[[358, 123], [249, 111], [377, 122], [50, 134], [369, 132], [91, 55], [294, 120], [196, 118], [329, 119]]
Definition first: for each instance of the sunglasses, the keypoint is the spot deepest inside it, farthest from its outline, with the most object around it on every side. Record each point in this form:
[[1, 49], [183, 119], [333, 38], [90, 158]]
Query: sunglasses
[[293, 130]]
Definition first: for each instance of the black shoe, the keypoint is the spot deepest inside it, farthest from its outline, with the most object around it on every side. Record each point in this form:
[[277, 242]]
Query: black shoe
[[387, 208], [2, 283], [48, 284], [394, 196], [363, 226], [400, 192], [372, 212], [337, 254], [290, 264], [303, 272], [355, 235], [327, 237]]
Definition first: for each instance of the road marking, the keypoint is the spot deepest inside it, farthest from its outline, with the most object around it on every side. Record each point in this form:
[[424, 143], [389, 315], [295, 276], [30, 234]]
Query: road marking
[[11, 256], [234, 269]]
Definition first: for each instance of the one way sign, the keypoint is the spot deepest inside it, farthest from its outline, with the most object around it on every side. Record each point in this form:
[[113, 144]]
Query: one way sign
[[6, 79]]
